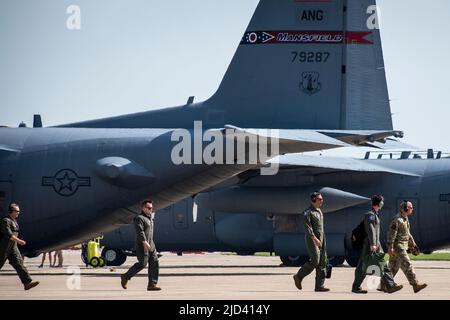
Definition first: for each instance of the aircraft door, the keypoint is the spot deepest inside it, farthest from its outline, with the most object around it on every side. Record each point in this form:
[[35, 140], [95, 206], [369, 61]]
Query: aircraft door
[[413, 218], [5, 197]]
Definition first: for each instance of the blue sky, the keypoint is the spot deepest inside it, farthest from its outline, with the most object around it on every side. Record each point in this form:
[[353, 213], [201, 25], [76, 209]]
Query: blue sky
[[132, 56]]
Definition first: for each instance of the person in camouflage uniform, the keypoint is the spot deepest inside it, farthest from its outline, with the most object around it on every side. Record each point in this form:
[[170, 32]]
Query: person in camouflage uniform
[[399, 241], [316, 245]]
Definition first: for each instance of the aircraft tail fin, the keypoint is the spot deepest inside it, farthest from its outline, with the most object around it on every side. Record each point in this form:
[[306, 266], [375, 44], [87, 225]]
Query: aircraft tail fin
[[308, 64], [366, 93]]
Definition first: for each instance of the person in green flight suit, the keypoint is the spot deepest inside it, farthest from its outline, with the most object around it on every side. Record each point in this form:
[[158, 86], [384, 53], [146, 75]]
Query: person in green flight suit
[[145, 249], [315, 244], [9, 239], [372, 246]]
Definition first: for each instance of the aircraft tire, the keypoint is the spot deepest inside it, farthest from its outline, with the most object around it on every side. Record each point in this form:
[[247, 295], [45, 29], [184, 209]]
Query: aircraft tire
[[352, 258], [113, 257], [245, 253], [336, 261], [294, 261]]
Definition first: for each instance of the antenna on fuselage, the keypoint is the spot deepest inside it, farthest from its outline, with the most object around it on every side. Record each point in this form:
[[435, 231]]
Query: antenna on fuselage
[[190, 100], [37, 121]]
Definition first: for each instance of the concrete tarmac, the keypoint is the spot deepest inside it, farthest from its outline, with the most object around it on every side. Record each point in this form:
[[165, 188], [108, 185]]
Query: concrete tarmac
[[208, 277]]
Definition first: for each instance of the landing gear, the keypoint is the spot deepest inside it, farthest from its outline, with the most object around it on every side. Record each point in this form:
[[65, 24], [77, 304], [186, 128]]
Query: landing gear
[[113, 257], [294, 261], [245, 253], [336, 261], [352, 257]]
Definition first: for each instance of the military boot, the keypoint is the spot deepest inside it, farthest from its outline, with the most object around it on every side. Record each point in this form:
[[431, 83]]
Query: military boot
[[298, 282], [394, 288], [153, 287], [321, 289], [419, 286], [123, 281], [382, 287], [359, 290], [30, 285]]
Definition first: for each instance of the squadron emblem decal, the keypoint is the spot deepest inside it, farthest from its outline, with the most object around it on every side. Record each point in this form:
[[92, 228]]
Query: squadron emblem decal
[[66, 182], [295, 37], [309, 83]]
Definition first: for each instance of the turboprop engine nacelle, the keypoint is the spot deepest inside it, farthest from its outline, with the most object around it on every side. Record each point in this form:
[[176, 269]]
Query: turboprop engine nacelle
[[282, 200]]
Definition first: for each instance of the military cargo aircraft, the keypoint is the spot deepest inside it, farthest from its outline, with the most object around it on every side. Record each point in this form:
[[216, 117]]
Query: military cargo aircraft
[[305, 63], [74, 183], [229, 218]]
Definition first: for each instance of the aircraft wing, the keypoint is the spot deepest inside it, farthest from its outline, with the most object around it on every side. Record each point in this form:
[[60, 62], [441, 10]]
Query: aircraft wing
[[288, 140], [313, 139], [363, 137], [392, 144], [320, 164]]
